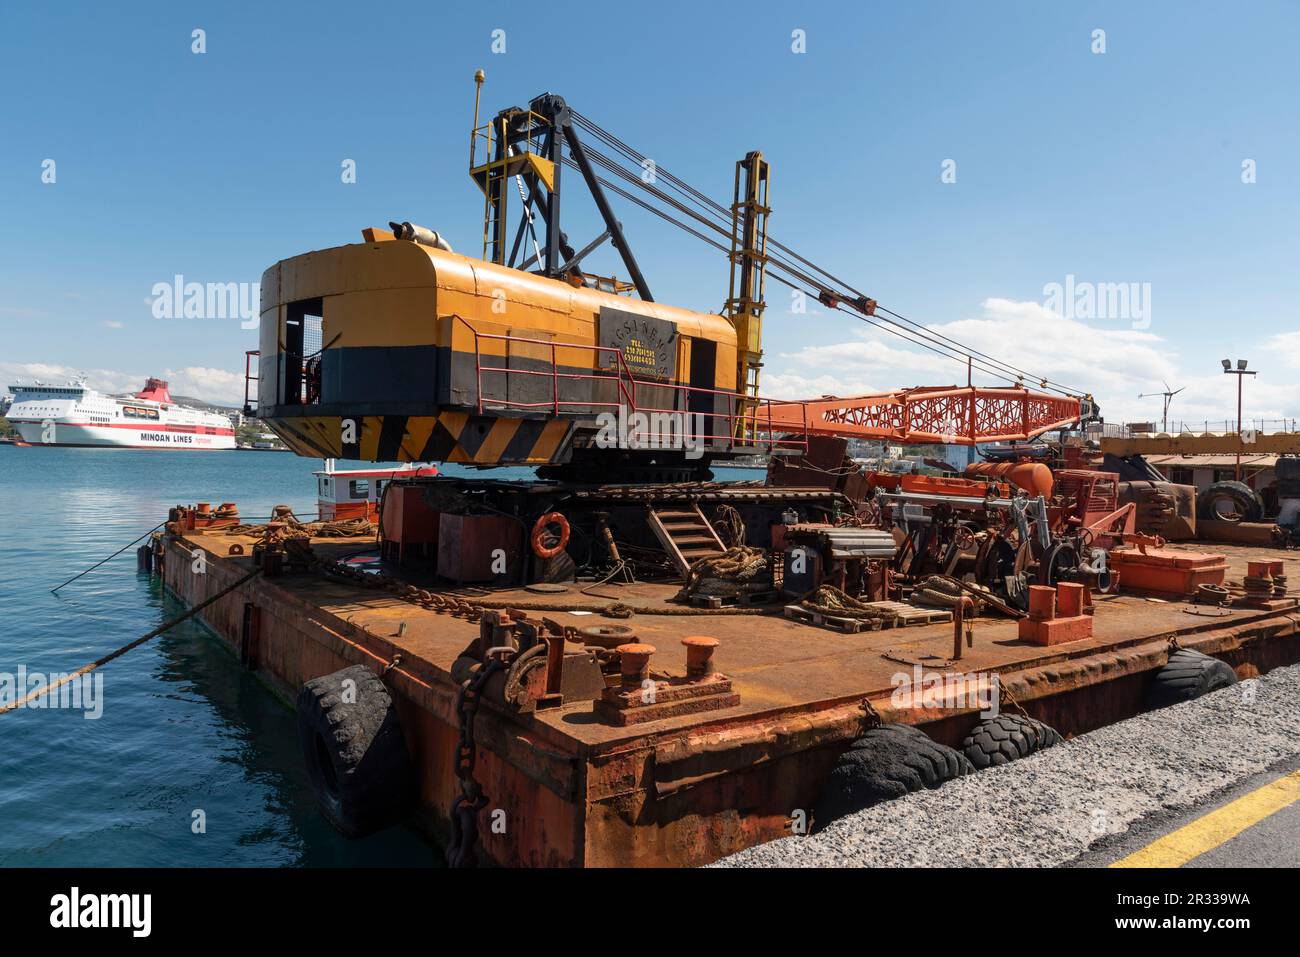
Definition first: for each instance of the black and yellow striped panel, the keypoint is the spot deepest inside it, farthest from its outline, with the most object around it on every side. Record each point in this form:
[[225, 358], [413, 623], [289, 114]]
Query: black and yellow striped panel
[[448, 437]]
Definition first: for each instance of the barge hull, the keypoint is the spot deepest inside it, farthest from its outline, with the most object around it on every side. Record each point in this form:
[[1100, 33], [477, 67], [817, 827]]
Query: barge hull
[[690, 789]]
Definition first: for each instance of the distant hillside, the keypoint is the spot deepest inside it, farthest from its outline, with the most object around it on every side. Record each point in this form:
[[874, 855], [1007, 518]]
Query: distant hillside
[[190, 401], [200, 404]]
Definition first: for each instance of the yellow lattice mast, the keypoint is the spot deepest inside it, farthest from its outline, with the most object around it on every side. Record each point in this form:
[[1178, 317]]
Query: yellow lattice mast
[[745, 304]]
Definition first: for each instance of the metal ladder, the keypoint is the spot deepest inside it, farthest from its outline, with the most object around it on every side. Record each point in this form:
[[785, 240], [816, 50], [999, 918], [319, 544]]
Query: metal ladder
[[685, 534]]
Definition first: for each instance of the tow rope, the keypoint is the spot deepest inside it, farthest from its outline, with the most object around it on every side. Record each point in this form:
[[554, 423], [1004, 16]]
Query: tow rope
[[86, 669], [109, 558]]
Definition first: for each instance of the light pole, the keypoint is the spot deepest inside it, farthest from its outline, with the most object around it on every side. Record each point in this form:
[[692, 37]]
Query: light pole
[[1239, 372]]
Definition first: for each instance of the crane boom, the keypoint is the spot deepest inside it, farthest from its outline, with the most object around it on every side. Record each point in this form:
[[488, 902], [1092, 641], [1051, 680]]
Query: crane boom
[[954, 415]]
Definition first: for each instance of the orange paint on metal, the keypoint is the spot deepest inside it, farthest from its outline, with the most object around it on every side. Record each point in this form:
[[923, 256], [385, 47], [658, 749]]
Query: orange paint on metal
[[1034, 477], [954, 415], [699, 655], [1055, 615], [937, 485], [1042, 602], [1069, 599], [1166, 570]]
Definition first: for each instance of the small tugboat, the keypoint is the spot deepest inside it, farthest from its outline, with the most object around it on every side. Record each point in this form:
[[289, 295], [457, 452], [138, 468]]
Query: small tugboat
[[356, 493]]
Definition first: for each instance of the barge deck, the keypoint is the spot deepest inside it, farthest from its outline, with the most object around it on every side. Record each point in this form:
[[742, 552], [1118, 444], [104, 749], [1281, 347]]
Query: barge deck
[[579, 790]]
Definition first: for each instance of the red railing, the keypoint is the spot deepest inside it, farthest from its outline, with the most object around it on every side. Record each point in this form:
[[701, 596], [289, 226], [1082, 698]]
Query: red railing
[[761, 432]]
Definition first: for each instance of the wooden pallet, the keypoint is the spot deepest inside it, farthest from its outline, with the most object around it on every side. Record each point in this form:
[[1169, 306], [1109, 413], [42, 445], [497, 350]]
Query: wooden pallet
[[909, 615], [850, 626], [901, 615], [732, 601]]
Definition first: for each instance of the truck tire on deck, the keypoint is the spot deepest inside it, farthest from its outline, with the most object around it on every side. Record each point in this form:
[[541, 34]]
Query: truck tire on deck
[[1189, 674], [1246, 505], [1007, 738], [355, 752], [885, 763]]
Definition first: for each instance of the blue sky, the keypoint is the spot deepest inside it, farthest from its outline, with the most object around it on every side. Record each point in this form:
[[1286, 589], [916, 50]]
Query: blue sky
[[1118, 167]]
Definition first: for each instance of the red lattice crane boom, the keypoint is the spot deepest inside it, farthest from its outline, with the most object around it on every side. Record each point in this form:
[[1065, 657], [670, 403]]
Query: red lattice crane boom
[[955, 415]]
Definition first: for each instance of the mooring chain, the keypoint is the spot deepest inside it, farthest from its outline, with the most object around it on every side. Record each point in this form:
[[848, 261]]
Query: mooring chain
[[472, 800], [1005, 692], [473, 611], [446, 604]]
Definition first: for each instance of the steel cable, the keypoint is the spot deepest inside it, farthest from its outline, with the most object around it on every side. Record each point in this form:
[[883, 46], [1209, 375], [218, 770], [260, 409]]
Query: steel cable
[[907, 329]]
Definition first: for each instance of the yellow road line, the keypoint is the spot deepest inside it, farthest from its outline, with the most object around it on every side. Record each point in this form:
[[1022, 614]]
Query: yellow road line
[[1219, 826]]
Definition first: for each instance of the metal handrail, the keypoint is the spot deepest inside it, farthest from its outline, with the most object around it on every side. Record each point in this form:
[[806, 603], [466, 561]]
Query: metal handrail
[[627, 385]]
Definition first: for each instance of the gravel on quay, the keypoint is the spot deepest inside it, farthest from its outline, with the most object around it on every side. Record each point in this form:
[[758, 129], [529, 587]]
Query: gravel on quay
[[1049, 808]]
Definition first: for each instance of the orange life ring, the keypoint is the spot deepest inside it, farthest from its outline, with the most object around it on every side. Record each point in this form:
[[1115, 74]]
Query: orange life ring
[[539, 530]]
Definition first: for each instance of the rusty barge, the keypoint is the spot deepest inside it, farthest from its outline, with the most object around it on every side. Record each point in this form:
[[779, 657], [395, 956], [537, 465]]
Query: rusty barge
[[576, 788], [621, 662]]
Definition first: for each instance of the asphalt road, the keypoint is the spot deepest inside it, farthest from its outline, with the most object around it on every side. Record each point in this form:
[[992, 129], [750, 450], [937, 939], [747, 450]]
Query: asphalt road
[[1207, 783], [1240, 827]]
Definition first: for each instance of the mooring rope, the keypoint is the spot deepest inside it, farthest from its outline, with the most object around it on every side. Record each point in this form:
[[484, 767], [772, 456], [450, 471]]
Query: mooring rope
[[109, 558], [86, 669]]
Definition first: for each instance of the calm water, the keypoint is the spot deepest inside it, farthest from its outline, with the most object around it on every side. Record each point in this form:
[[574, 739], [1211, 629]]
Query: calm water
[[183, 727]]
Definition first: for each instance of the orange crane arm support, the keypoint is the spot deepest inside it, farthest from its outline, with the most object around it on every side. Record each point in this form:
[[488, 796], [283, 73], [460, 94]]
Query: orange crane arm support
[[955, 415]]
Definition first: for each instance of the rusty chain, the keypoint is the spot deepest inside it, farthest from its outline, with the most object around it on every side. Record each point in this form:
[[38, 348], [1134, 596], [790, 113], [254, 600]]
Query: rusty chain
[[473, 610], [1005, 692], [471, 800]]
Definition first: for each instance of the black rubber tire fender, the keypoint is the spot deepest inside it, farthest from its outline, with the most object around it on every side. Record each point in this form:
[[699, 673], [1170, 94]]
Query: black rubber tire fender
[[1188, 675], [355, 752], [1247, 503], [885, 763], [1005, 738]]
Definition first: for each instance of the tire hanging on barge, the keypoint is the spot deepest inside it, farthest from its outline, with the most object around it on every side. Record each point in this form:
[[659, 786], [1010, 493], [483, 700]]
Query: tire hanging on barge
[[1188, 675], [1007, 738], [885, 763], [355, 752]]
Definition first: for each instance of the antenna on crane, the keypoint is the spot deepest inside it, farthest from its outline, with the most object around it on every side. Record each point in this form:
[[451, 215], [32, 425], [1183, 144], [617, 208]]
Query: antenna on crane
[[1168, 396]]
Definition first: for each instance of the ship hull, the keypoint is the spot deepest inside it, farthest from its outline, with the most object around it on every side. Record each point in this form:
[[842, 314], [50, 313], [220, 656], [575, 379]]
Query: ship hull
[[75, 415], [85, 435]]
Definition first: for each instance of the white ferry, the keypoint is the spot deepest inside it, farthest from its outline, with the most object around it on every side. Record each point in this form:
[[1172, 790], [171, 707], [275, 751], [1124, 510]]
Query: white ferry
[[74, 414]]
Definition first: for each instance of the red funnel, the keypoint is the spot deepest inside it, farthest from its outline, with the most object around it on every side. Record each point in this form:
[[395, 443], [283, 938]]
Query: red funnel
[[155, 389]]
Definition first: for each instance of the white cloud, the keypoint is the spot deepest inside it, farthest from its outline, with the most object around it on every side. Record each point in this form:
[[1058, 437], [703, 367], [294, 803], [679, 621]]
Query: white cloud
[[212, 385], [219, 386], [1283, 347], [114, 324]]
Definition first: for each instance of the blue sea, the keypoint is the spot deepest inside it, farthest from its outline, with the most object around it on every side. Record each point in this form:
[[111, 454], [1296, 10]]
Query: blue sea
[[182, 728]]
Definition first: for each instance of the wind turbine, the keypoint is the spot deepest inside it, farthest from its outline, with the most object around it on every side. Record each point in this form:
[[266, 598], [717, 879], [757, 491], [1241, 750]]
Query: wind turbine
[[1168, 396]]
